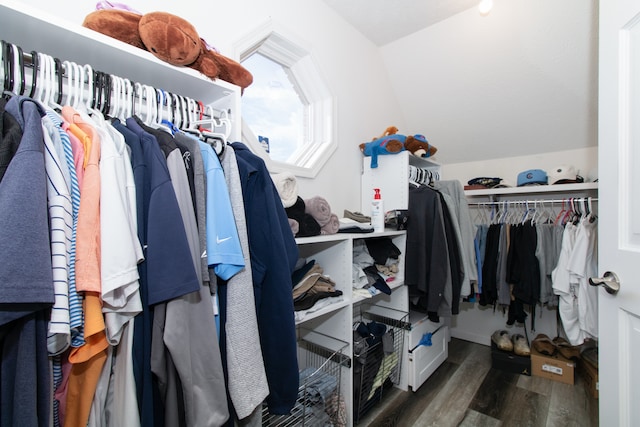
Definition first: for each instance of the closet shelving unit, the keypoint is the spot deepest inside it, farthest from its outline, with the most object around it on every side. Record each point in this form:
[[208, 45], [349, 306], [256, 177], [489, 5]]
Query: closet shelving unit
[[392, 177], [334, 253]]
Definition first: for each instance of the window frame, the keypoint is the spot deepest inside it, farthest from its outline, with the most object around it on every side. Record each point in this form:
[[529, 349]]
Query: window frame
[[318, 101]]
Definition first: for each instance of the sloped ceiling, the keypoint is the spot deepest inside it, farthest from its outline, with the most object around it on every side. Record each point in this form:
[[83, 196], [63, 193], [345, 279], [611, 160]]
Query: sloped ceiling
[[519, 81], [384, 21]]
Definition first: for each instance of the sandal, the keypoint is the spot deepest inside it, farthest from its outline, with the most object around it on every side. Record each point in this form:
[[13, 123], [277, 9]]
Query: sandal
[[567, 350], [502, 340], [520, 345], [543, 345]]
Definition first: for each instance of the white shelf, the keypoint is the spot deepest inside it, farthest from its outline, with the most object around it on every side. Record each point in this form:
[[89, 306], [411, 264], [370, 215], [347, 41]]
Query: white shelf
[[324, 310], [534, 189], [33, 30]]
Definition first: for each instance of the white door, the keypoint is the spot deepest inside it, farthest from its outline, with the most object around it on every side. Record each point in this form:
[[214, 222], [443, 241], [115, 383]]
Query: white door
[[619, 211]]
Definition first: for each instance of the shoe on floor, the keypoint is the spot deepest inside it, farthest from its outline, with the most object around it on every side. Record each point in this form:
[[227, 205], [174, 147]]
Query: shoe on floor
[[567, 350], [520, 345], [543, 345], [502, 340]]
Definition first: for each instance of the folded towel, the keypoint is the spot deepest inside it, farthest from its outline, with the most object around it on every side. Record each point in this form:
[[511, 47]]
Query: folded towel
[[319, 209], [307, 225], [287, 187], [296, 210], [332, 226]]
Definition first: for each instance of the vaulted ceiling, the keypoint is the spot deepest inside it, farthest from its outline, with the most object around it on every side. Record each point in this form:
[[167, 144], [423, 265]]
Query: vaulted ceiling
[[384, 21]]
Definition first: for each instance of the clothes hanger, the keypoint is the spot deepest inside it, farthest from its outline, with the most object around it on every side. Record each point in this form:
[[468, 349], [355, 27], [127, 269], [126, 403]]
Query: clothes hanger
[[164, 123], [8, 66], [51, 80], [130, 99], [217, 140], [18, 62], [34, 73], [3, 62], [59, 75], [152, 109], [71, 92], [117, 98]]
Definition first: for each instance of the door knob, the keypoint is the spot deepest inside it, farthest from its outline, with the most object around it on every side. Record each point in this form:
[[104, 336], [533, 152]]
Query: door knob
[[610, 282]]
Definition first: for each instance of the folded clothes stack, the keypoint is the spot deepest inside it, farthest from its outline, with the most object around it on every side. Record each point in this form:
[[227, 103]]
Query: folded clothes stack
[[310, 285]]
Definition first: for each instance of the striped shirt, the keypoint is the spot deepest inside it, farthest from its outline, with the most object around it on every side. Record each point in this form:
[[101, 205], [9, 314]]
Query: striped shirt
[[75, 301], [60, 228]]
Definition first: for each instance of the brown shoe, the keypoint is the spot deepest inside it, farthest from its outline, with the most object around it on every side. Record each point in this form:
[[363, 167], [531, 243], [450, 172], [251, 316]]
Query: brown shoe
[[502, 340], [567, 350], [520, 345], [543, 345]]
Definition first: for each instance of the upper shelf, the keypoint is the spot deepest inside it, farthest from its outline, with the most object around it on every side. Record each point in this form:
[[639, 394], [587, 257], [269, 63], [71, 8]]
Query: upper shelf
[[31, 29], [534, 189], [423, 162]]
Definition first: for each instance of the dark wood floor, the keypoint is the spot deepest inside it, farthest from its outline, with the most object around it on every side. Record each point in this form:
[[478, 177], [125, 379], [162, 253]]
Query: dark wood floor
[[466, 391]]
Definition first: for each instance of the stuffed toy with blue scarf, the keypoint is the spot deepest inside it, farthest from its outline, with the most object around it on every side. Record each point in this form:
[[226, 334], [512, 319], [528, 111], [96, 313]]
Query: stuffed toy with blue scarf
[[388, 143]]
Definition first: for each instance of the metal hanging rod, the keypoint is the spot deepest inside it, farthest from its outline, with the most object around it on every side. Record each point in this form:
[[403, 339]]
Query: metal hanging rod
[[532, 201]]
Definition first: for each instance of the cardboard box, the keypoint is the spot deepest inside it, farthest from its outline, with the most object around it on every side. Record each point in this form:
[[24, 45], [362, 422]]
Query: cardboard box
[[555, 368], [590, 375], [509, 361]]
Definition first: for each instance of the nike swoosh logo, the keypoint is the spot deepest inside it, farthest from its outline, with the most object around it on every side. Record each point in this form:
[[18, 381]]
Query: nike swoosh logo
[[219, 240], [204, 254]]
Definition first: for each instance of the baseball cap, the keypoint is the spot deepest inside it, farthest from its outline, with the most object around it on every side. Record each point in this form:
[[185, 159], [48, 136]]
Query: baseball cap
[[564, 174], [532, 177]]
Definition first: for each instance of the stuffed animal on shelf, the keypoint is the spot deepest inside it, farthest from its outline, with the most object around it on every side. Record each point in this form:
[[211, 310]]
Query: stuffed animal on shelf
[[171, 39], [418, 146], [387, 143]]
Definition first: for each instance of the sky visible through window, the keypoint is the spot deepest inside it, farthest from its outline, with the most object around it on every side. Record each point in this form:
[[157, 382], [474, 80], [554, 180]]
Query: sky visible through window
[[272, 108]]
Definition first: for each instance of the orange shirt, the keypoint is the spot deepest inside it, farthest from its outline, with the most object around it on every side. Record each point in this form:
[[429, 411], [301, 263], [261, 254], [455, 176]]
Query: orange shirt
[[88, 228], [88, 361]]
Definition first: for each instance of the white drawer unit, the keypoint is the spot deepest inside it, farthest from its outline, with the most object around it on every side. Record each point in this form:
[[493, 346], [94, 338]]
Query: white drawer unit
[[422, 359]]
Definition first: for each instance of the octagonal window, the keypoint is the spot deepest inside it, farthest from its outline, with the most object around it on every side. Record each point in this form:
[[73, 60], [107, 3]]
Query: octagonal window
[[288, 111]]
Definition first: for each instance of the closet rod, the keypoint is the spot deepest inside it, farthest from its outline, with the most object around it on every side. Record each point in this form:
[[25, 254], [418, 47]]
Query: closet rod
[[534, 201], [28, 62]]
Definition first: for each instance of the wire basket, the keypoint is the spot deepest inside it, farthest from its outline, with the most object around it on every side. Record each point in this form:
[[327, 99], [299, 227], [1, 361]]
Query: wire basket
[[319, 403], [378, 339]]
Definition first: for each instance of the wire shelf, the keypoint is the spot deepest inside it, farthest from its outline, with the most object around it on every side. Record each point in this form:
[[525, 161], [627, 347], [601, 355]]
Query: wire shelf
[[378, 340], [319, 400]]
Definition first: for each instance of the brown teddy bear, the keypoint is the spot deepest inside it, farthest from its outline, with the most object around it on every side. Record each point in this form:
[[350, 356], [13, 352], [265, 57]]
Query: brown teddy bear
[[418, 146], [171, 39]]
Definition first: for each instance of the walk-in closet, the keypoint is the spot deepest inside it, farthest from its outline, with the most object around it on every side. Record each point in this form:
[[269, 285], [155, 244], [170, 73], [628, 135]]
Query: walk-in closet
[[320, 213]]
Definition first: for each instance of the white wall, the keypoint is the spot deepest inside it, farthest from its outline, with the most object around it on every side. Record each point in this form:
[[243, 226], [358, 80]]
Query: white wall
[[521, 80]]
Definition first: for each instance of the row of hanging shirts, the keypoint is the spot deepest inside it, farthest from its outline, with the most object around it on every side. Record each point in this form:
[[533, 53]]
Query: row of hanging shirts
[[565, 248], [543, 211], [53, 82]]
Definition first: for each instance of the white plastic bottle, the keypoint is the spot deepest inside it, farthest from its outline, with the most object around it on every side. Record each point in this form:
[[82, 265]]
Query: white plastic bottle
[[377, 212]]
